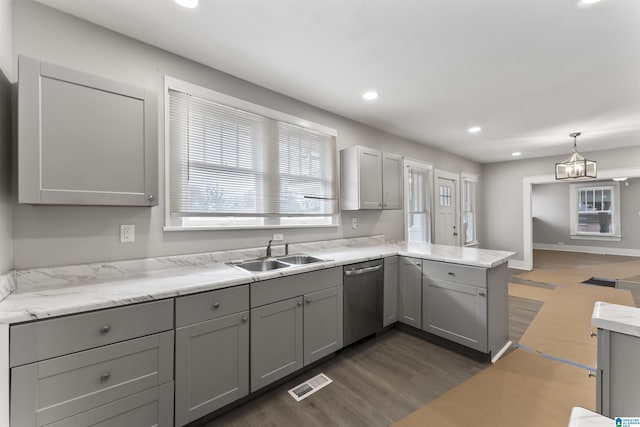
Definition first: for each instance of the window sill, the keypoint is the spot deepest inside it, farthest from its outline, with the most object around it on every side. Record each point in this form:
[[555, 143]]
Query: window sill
[[596, 237], [244, 227]]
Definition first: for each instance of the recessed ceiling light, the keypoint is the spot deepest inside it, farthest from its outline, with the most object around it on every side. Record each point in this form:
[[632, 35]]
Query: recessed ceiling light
[[475, 129], [587, 3], [370, 96], [190, 4], [516, 153], [620, 179]]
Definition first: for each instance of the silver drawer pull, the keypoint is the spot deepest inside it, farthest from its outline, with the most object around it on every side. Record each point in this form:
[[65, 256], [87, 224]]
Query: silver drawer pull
[[216, 305], [244, 319], [363, 270], [105, 376], [592, 374], [299, 303], [150, 197], [451, 273], [104, 329], [482, 293], [308, 300], [593, 334]]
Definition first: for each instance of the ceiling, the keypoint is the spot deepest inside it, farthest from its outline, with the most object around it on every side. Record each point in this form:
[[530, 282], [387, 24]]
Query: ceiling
[[529, 72]]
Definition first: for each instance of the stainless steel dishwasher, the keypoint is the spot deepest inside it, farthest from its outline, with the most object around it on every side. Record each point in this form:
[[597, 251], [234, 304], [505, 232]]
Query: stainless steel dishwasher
[[363, 293]]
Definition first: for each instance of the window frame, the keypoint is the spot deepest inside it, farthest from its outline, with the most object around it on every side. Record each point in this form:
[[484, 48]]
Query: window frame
[[177, 223], [470, 177], [615, 233]]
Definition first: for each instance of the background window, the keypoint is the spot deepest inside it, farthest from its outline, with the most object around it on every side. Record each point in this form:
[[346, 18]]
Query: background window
[[595, 210], [233, 167], [469, 208]]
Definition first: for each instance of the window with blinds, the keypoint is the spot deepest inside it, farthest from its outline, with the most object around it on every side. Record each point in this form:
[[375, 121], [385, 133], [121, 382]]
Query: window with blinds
[[233, 166], [469, 208]]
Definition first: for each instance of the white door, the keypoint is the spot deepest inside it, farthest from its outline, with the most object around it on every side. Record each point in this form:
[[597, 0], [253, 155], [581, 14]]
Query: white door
[[418, 184], [446, 214]]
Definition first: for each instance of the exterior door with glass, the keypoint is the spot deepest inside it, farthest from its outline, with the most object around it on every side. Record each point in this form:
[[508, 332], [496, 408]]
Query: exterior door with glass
[[446, 215]]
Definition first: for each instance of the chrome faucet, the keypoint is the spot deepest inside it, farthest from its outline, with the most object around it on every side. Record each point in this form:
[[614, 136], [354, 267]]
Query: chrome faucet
[[286, 249]]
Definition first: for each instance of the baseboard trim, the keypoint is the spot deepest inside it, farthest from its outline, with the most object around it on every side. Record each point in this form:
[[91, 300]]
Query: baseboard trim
[[586, 249]]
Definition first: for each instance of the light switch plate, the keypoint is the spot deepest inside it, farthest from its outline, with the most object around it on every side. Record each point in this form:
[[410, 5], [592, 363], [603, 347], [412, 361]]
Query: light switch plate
[[127, 233], [354, 223]]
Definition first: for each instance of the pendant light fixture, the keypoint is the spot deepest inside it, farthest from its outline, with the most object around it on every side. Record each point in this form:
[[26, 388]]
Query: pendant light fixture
[[576, 166]]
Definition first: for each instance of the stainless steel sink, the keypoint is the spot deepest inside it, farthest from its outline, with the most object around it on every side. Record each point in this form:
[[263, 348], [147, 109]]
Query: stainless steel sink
[[262, 265], [300, 259]]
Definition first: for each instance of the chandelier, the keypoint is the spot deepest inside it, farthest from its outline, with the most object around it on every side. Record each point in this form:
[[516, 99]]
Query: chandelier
[[576, 166]]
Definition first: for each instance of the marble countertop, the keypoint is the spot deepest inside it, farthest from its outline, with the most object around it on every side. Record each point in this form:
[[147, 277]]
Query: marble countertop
[[48, 292], [581, 417], [617, 318]]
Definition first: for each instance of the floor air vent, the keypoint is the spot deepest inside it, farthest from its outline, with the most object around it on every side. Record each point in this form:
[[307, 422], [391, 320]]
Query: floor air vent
[[601, 281], [309, 387]]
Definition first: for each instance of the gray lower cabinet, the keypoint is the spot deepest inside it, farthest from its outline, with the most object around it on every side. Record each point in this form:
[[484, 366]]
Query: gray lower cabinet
[[212, 365], [456, 312], [322, 324], [390, 304], [410, 291], [276, 341], [63, 390], [618, 377]]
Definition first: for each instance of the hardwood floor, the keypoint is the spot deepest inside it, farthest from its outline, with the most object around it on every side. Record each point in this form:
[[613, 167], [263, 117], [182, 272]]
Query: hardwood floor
[[375, 383]]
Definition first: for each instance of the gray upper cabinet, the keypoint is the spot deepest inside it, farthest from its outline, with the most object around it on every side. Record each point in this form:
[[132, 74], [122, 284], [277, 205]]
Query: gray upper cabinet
[[84, 139], [390, 308], [370, 179], [410, 291]]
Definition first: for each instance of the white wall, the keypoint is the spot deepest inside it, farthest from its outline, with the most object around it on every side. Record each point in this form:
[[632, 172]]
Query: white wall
[[502, 182], [57, 235], [6, 58], [550, 207]]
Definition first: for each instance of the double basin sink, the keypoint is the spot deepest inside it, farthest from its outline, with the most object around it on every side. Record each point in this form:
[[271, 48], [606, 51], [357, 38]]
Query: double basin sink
[[268, 264]]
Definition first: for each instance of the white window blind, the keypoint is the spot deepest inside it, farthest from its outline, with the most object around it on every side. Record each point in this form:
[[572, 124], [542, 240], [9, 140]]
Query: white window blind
[[225, 161]]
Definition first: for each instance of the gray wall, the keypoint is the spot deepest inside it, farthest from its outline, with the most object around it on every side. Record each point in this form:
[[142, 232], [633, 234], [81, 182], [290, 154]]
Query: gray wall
[[6, 42], [56, 235], [550, 208], [502, 189]]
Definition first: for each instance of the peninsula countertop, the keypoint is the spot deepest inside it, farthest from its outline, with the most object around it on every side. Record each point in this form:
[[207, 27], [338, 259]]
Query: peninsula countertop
[[48, 292]]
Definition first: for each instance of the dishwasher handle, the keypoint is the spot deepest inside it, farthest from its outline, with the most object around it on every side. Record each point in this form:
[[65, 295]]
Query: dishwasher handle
[[363, 270]]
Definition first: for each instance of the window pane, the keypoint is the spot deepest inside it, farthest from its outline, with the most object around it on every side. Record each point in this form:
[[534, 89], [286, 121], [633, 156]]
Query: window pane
[[599, 222]]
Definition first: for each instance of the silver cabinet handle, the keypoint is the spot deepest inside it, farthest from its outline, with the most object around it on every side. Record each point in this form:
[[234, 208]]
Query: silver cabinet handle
[[104, 329], [244, 319], [593, 334], [592, 374], [363, 270], [299, 303], [482, 294], [451, 273], [105, 376], [216, 305], [308, 300], [151, 197]]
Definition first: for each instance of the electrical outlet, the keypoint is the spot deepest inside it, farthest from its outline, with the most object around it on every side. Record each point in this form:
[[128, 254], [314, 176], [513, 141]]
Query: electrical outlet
[[354, 223], [278, 236], [127, 233]]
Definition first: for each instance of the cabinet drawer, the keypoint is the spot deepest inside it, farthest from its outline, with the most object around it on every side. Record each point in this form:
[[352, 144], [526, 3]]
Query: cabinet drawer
[[150, 408], [211, 305], [54, 389], [475, 276], [32, 342], [269, 291]]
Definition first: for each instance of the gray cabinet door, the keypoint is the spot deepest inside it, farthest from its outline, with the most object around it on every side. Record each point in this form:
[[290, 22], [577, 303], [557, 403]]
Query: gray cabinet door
[[456, 312], [410, 295], [390, 308], [276, 341], [84, 139], [212, 365], [370, 171], [322, 324], [391, 181]]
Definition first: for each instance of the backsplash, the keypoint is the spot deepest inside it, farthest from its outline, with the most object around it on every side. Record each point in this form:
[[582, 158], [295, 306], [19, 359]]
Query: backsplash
[[7, 284], [97, 272]]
